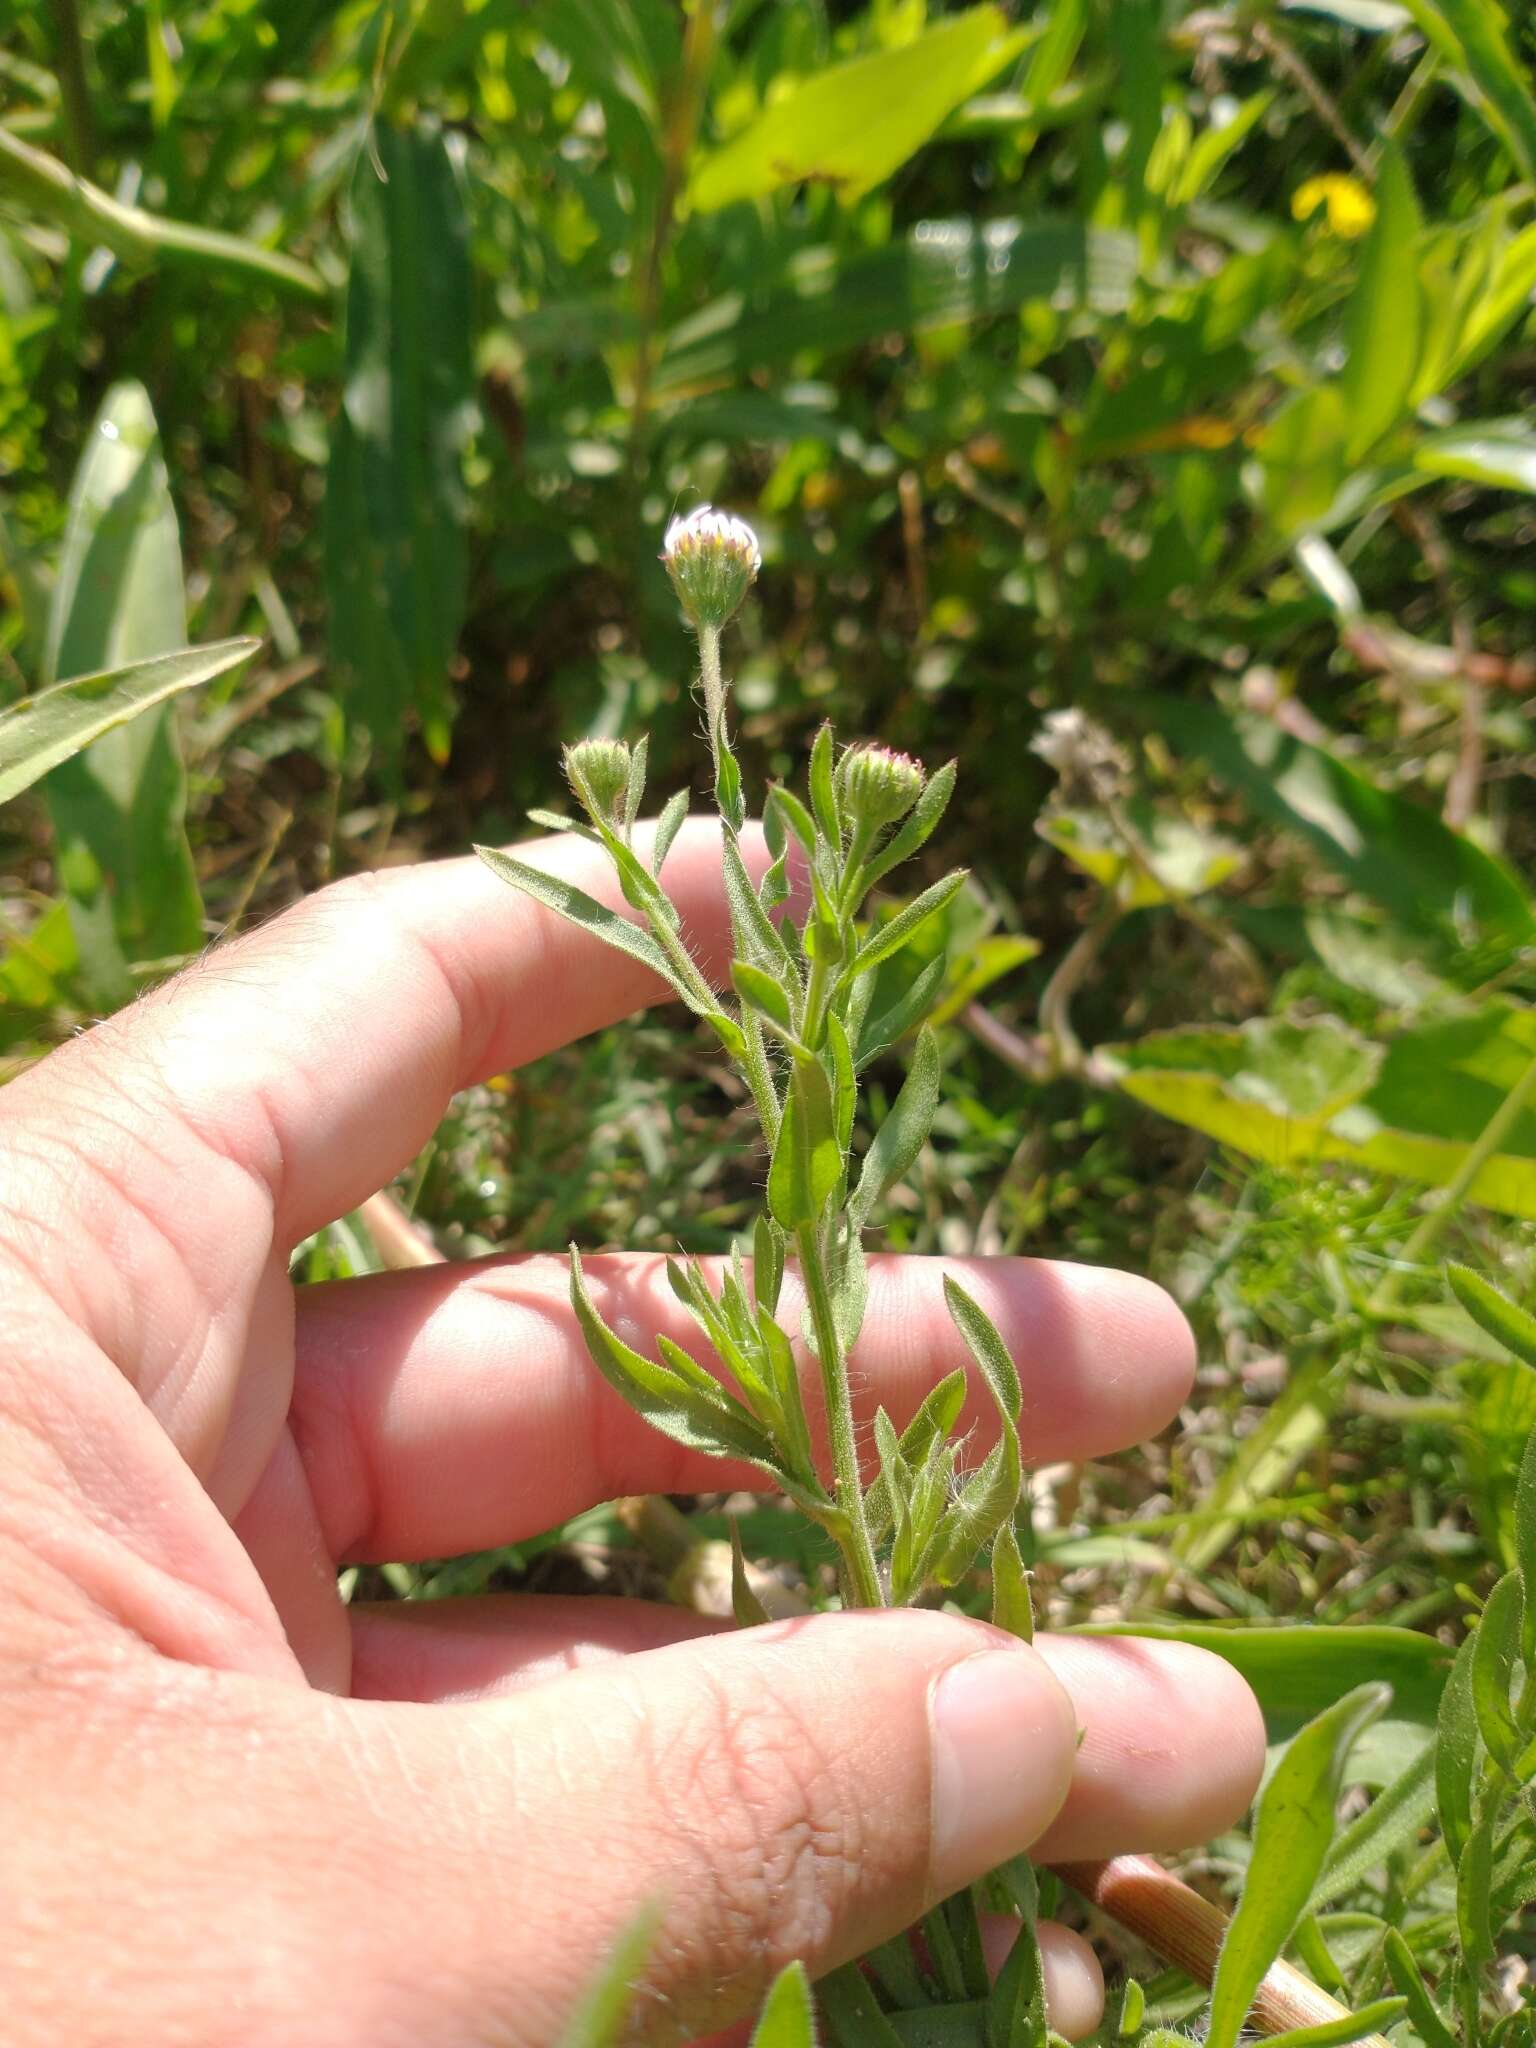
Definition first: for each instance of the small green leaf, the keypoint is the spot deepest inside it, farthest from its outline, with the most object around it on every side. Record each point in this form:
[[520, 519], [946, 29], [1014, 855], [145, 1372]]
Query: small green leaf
[[668, 825], [729, 801], [1349, 2026], [38, 732], [807, 1162], [889, 938], [1456, 1752], [1393, 1821], [823, 790], [991, 1496], [584, 911], [919, 823], [1016, 2014], [1513, 1326], [901, 1137], [1495, 1659], [1474, 1889], [1423, 2013], [788, 2018], [762, 992], [634, 791], [1384, 314], [767, 1264], [1292, 1830], [1525, 1542], [1012, 1607], [786, 805], [848, 2003], [601, 2019], [747, 1608], [892, 1025]]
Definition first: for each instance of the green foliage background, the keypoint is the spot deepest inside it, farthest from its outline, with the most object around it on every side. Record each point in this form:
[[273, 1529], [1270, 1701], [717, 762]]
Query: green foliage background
[[1134, 401]]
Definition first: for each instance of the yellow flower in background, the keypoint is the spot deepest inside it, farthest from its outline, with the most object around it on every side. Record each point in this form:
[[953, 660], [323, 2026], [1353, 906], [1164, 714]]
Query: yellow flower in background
[[1351, 209]]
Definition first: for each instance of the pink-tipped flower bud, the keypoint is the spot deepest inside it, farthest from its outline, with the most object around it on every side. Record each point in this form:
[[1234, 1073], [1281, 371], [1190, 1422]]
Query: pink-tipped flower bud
[[713, 560], [877, 785]]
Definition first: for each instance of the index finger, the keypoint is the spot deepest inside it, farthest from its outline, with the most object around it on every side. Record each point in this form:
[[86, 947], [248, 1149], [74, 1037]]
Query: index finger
[[319, 1053]]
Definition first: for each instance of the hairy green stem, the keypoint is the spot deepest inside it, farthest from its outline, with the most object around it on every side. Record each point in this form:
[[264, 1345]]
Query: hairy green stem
[[714, 690], [858, 1550]]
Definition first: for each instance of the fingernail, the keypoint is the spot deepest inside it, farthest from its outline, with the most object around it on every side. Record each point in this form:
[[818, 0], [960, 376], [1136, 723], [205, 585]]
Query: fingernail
[[1002, 1755]]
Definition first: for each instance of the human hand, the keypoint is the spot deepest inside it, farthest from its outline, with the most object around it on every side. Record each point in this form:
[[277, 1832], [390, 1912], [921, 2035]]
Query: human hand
[[241, 1813]]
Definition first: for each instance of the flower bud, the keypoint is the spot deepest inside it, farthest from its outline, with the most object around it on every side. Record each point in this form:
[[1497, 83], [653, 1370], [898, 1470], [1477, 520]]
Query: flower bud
[[713, 560], [877, 785], [598, 772]]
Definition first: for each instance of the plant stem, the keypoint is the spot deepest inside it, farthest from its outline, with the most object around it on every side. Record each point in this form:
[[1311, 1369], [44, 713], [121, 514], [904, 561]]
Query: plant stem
[[74, 88], [1432, 1228], [714, 691], [40, 182], [858, 1551]]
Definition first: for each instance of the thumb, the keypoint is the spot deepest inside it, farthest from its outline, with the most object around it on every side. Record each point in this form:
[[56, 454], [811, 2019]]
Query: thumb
[[802, 1789]]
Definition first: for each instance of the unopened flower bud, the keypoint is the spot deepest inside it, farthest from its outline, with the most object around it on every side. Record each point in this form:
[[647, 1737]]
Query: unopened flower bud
[[877, 785], [598, 772], [713, 560]]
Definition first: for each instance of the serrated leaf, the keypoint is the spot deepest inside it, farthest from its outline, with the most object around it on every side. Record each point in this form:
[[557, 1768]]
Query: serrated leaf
[[902, 1135], [1292, 1830]]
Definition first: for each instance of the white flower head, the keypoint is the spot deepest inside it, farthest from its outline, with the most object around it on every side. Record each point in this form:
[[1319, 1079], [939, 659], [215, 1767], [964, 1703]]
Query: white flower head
[[713, 559]]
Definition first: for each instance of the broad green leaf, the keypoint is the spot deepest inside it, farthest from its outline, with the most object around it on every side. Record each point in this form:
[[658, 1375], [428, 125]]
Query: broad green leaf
[[1292, 1830], [119, 807], [671, 1401], [1383, 317], [37, 733], [1423, 2013], [395, 549], [1499, 453], [1496, 1658], [940, 274], [1472, 36], [788, 2018], [1456, 1752], [1396, 852], [853, 124], [1513, 1326], [1302, 450], [1349, 2026], [807, 1160], [903, 1134], [602, 2018], [1296, 1670]]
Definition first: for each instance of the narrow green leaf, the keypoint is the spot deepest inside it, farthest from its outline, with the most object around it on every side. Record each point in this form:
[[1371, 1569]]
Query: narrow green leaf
[[1016, 2014], [1349, 2026], [784, 804], [848, 2003], [901, 1137], [580, 909], [729, 801], [1513, 1326], [880, 1033], [762, 992], [751, 927], [767, 1264], [1393, 1821], [119, 807], [1292, 1830], [38, 732], [1495, 1658], [552, 821], [991, 1496], [670, 1401], [634, 790], [1384, 314], [930, 1425], [1456, 1752], [1472, 36], [1525, 1543], [807, 1161], [668, 825], [1474, 1889], [602, 2017], [920, 821], [891, 937], [750, 1613], [823, 789], [788, 2018], [1012, 1606], [1423, 2013], [396, 549]]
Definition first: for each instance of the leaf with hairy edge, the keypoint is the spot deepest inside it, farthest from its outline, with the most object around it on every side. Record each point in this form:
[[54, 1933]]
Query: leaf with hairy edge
[[807, 1162], [1292, 1830], [1349, 2026], [892, 1025], [920, 821], [1474, 1888], [1513, 1326], [1012, 1607], [788, 2017], [889, 938], [824, 789], [1015, 2011], [1456, 1753], [1495, 1658], [1423, 2013], [602, 2017], [668, 825], [745, 1605], [901, 1137], [1393, 1821], [38, 732], [989, 1499], [762, 992], [676, 1405], [930, 1425]]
